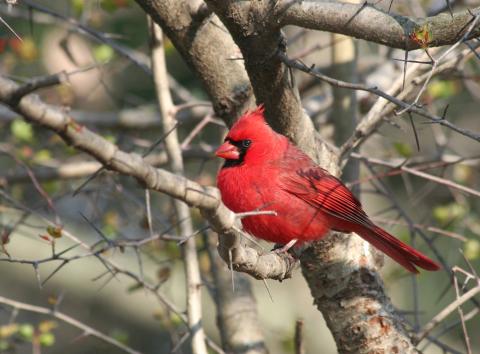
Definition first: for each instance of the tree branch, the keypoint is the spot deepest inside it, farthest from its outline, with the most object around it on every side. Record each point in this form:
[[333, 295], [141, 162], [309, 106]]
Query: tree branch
[[255, 29], [372, 89], [207, 199], [137, 118], [87, 330], [174, 153], [340, 269], [193, 33], [389, 29], [349, 292], [63, 170], [237, 315]]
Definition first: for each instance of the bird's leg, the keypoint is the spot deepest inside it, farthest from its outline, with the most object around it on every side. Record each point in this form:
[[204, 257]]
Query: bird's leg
[[286, 247]]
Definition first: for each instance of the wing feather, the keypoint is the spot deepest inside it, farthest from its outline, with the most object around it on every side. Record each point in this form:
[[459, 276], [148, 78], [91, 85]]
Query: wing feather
[[321, 190]]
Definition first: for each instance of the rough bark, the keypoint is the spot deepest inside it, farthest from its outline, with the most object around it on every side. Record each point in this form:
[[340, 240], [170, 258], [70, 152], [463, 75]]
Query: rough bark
[[206, 45], [255, 28], [349, 292], [259, 38], [388, 29]]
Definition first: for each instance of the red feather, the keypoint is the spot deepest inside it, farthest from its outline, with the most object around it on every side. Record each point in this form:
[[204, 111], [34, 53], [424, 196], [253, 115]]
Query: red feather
[[267, 172]]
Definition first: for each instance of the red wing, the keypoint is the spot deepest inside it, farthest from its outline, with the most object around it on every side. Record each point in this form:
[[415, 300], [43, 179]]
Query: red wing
[[321, 190]]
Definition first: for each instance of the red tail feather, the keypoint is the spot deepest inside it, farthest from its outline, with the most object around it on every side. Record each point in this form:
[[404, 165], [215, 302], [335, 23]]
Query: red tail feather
[[397, 250]]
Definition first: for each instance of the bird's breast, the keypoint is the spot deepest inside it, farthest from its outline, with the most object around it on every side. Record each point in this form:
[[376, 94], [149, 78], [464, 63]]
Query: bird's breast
[[245, 191]]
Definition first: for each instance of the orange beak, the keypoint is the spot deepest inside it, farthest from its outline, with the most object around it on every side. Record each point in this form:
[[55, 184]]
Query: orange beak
[[228, 151]]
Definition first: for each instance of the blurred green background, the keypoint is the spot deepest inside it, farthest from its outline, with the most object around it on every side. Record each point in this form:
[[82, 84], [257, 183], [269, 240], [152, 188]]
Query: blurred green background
[[116, 204]]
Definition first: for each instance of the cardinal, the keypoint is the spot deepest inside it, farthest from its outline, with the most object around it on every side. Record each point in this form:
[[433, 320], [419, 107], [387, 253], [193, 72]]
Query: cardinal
[[264, 171]]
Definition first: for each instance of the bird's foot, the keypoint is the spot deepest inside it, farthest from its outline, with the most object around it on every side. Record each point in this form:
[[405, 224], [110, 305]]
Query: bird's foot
[[284, 248]]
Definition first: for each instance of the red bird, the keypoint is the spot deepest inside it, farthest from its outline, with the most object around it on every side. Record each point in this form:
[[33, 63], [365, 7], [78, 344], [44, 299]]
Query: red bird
[[264, 171]]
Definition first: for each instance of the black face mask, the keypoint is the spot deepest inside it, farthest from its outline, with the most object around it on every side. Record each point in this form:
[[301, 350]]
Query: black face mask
[[242, 146]]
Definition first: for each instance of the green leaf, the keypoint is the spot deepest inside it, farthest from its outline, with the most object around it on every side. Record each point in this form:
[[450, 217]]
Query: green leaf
[[442, 89], [120, 335], [462, 173], [111, 224], [110, 231], [46, 339], [175, 319], [134, 287], [55, 231], [445, 213], [108, 5], [103, 53], [51, 187], [111, 138], [77, 6], [112, 5], [288, 344], [42, 155], [21, 130], [403, 149], [471, 249], [8, 330], [26, 331]]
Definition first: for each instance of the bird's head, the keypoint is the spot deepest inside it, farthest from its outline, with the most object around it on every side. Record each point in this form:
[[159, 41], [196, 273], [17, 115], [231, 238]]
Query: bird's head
[[249, 140]]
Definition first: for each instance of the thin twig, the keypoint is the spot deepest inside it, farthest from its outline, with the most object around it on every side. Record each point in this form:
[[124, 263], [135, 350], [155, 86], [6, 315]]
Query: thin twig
[[372, 89], [444, 313], [299, 342], [462, 317], [87, 330], [173, 148]]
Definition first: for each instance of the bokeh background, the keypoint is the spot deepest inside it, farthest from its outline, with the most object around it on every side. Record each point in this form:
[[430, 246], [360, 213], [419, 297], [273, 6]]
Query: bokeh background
[[108, 88]]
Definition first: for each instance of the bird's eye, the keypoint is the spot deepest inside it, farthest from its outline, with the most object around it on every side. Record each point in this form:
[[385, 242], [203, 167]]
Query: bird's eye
[[246, 143]]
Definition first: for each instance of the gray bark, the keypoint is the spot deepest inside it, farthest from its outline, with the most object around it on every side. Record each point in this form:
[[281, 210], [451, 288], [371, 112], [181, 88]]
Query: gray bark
[[388, 29]]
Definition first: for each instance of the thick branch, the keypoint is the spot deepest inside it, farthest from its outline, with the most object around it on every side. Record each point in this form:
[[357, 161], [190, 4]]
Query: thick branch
[[80, 169], [388, 29], [255, 29], [136, 118], [351, 297], [207, 47]]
